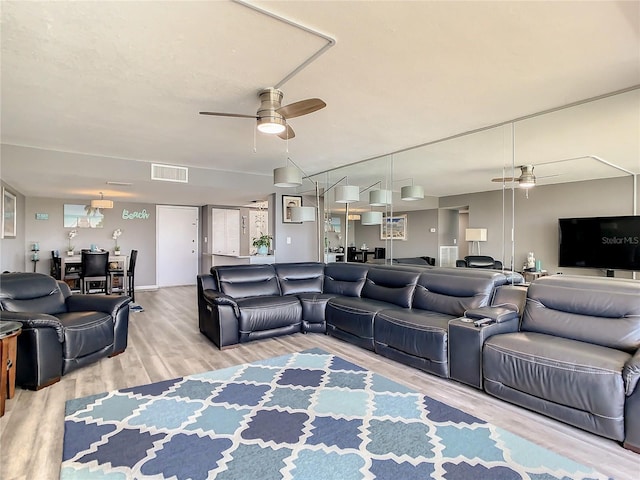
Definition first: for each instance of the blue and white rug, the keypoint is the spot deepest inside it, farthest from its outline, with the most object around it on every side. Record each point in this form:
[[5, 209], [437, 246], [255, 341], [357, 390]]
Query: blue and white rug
[[305, 416]]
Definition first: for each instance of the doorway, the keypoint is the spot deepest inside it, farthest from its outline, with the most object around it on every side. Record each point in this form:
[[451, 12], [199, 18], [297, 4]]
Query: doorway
[[176, 245]]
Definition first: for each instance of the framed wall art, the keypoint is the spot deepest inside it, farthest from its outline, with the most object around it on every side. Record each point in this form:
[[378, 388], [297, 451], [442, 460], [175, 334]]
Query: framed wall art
[[82, 216], [8, 214], [289, 201], [394, 228]]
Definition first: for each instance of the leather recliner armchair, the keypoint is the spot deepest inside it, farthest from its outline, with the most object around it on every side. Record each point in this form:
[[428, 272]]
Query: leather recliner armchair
[[60, 332], [479, 261]]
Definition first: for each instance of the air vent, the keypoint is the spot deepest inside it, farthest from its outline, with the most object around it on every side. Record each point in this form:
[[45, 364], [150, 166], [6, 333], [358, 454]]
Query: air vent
[[169, 173]]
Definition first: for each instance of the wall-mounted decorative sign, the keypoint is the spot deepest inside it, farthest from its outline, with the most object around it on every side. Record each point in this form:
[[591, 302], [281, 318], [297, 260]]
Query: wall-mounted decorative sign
[[82, 216], [8, 214], [394, 228], [141, 215], [42, 216]]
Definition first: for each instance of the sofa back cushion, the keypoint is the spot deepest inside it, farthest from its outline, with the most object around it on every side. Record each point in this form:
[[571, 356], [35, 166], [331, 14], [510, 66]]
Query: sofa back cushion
[[344, 279], [603, 311], [241, 281], [31, 292], [453, 291], [300, 277], [392, 286]]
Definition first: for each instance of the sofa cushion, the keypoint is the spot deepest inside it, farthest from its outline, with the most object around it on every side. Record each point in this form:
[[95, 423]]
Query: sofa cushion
[[416, 332], [391, 286], [267, 313], [304, 277], [241, 281], [581, 376], [344, 279], [601, 311], [453, 291], [354, 315]]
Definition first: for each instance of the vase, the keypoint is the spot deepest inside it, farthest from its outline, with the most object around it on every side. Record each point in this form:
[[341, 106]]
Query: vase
[[263, 250]]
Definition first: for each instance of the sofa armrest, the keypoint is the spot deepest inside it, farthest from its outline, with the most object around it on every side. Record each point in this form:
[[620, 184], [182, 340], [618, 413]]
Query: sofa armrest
[[631, 373], [35, 320], [97, 303], [497, 314], [461, 263], [217, 298]]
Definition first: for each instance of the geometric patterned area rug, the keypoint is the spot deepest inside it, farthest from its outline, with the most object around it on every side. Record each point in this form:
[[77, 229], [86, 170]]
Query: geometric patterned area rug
[[305, 416]]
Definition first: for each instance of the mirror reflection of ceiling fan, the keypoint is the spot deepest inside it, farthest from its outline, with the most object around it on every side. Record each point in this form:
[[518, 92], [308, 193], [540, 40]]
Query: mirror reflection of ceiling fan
[[272, 116], [526, 179]]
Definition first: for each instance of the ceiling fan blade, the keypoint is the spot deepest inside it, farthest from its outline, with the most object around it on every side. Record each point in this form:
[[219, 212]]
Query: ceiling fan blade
[[218, 114], [303, 107], [288, 134], [505, 179]]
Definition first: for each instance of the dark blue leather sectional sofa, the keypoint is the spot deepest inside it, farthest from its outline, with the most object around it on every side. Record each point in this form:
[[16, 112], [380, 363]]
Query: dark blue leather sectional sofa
[[566, 347]]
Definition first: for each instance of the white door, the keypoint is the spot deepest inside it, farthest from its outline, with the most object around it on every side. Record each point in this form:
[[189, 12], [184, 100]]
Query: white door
[[176, 245]]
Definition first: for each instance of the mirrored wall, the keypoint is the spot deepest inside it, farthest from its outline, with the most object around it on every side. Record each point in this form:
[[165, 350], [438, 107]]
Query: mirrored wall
[[585, 159]]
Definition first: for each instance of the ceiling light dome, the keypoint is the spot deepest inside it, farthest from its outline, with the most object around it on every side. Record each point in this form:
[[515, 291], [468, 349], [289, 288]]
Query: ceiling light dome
[[273, 123]]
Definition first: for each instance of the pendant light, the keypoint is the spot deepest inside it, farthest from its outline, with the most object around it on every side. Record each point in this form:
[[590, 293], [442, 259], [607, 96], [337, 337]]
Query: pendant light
[[101, 202], [412, 192], [287, 176], [347, 193], [303, 214], [380, 198], [371, 218]]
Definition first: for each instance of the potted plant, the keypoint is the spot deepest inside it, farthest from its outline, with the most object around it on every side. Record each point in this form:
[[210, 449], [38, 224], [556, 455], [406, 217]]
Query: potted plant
[[116, 234], [262, 243], [72, 234]]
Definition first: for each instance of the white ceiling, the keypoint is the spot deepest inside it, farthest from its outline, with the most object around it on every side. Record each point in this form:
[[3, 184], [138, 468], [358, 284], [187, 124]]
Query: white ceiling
[[95, 91]]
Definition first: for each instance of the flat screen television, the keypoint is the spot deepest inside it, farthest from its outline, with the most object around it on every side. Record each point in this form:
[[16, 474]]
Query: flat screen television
[[600, 242]]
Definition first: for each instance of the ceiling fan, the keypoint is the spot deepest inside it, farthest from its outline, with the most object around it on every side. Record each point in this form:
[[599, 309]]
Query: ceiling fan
[[272, 117], [526, 179]]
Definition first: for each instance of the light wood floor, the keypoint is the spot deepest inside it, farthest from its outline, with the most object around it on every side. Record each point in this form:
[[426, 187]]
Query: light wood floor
[[164, 343]]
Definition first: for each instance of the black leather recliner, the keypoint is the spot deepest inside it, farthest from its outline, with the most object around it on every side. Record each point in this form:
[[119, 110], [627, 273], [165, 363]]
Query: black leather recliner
[[60, 332], [479, 261]]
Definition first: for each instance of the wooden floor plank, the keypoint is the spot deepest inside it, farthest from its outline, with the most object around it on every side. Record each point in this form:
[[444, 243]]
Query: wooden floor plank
[[164, 343]]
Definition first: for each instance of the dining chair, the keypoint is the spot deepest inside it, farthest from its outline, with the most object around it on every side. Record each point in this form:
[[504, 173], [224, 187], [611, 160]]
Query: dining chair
[[130, 273], [95, 267], [56, 265]]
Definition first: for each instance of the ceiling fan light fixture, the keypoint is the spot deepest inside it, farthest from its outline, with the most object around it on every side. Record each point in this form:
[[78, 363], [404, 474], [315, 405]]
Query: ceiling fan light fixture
[[347, 193], [287, 177], [379, 198], [272, 125], [527, 179], [411, 193], [101, 202], [371, 218]]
